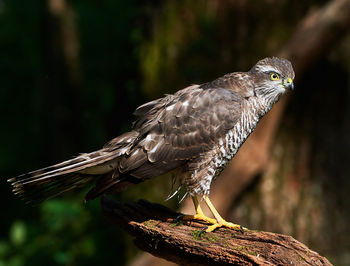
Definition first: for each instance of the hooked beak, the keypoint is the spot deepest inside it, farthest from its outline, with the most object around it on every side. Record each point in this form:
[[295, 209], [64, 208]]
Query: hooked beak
[[288, 83]]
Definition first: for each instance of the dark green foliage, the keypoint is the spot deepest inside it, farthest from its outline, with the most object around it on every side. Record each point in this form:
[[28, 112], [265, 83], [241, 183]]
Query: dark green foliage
[[62, 231]]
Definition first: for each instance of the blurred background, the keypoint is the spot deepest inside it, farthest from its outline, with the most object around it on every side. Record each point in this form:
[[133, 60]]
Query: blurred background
[[72, 72]]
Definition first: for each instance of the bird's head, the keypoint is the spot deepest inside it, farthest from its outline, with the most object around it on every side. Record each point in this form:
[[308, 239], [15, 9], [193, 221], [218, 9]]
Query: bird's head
[[272, 76]]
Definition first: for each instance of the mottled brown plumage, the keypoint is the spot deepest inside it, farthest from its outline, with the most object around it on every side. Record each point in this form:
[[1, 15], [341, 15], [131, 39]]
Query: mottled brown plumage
[[196, 131]]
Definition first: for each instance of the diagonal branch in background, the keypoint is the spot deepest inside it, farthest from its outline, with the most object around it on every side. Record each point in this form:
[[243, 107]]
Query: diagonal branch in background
[[317, 33], [155, 231], [314, 37]]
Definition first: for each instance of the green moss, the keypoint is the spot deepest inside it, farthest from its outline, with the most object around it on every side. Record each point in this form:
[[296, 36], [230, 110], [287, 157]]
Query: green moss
[[226, 243], [176, 224], [301, 258], [202, 236], [196, 234], [246, 249], [150, 223], [212, 239], [233, 234]]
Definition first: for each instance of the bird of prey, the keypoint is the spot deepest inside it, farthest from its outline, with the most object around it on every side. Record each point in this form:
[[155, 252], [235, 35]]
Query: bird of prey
[[194, 132]]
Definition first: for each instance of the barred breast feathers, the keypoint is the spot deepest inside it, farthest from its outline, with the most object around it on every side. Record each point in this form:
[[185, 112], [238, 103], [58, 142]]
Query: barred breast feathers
[[228, 145]]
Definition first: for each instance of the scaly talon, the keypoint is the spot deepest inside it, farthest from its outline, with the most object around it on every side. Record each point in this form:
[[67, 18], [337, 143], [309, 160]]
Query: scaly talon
[[223, 223], [204, 229], [200, 217], [179, 218], [199, 214], [215, 223], [220, 221]]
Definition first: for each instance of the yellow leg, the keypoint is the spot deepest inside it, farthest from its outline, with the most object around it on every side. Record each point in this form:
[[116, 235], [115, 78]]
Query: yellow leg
[[199, 213], [220, 221]]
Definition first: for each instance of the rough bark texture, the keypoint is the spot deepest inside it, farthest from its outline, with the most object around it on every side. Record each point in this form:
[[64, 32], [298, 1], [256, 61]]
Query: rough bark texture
[[157, 231]]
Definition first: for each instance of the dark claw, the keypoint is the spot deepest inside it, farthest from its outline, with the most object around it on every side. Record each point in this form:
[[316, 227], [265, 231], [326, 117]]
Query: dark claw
[[179, 218], [242, 229], [202, 231]]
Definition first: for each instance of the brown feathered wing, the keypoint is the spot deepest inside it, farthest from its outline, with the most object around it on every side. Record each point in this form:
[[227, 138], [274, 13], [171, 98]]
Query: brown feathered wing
[[170, 132]]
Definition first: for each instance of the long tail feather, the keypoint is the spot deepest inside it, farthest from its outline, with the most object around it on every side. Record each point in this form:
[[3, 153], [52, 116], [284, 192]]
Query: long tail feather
[[54, 180], [57, 179]]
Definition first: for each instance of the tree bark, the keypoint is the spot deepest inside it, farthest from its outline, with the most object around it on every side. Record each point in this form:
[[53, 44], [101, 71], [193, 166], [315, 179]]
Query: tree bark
[[157, 231]]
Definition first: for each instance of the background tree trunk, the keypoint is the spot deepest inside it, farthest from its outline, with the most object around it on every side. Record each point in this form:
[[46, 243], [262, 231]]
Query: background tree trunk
[[62, 85]]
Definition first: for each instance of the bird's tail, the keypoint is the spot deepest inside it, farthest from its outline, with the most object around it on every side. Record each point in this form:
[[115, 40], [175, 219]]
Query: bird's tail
[[36, 186]]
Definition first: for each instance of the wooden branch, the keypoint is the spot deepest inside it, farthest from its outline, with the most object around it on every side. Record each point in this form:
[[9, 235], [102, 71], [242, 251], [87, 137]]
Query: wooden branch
[[156, 231]]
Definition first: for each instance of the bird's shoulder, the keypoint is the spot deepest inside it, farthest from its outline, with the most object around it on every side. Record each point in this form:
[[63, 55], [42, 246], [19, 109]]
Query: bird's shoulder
[[236, 85], [190, 100], [238, 82]]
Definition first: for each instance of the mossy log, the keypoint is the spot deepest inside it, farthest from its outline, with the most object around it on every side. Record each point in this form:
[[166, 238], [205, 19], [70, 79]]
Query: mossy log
[[157, 230]]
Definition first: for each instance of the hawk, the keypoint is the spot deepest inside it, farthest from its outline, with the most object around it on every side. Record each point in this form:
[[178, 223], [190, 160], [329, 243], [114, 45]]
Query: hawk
[[195, 131]]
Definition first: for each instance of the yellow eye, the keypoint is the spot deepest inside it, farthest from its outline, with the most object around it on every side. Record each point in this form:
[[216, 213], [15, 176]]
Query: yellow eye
[[274, 76]]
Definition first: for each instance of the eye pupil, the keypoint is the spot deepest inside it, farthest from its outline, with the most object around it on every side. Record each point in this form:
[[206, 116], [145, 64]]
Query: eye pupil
[[274, 76]]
